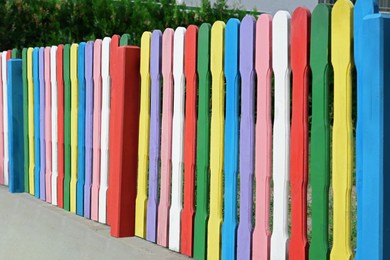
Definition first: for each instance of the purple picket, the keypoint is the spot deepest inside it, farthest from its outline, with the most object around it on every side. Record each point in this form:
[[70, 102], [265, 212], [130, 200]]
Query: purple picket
[[154, 143], [88, 127], [247, 138], [42, 173]]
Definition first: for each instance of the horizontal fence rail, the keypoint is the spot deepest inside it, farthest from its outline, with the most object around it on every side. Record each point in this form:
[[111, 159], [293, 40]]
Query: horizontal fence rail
[[218, 141]]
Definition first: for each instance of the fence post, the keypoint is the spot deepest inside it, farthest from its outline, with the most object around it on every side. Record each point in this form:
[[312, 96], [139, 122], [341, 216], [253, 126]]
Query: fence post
[[31, 152], [67, 130], [73, 124], [48, 170], [54, 123], [25, 119]]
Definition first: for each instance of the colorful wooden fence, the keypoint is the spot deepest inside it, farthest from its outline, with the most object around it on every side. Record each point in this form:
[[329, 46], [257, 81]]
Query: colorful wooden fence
[[192, 139]]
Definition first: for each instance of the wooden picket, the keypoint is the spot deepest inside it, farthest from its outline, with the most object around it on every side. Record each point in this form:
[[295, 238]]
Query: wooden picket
[[73, 125], [281, 130], [300, 38], [48, 172], [5, 59], [154, 134], [36, 121], [166, 138], [67, 129], [16, 131], [97, 104], [247, 134], [31, 139], [229, 226], [54, 123], [60, 104], [89, 89], [263, 153], [320, 131], [177, 139], [216, 139], [25, 120], [143, 140], [342, 157], [80, 129], [203, 143], [361, 9], [187, 216]]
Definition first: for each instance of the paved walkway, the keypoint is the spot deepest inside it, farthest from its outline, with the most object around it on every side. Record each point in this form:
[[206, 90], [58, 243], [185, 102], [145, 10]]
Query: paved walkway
[[32, 229]]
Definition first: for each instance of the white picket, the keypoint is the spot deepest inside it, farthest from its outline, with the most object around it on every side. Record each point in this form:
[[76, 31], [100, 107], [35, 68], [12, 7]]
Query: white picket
[[281, 130], [177, 139], [106, 81], [5, 116], [54, 124]]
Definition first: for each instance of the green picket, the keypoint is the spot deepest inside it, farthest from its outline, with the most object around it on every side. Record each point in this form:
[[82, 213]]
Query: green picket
[[25, 118], [67, 96], [320, 130], [203, 144], [125, 40]]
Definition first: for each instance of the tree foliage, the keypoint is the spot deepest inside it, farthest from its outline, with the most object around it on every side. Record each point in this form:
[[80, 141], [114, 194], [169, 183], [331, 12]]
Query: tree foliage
[[26, 23]]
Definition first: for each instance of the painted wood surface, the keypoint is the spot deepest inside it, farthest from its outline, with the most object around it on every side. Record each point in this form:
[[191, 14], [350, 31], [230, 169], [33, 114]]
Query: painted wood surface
[[143, 145], [342, 139], [5, 117], [300, 46], [124, 134], [154, 139], [67, 125], [42, 124], [247, 134], [203, 143], [320, 131], [89, 87], [374, 79], [36, 120], [187, 216], [104, 138], [216, 139], [361, 9], [232, 52], [166, 138], [80, 130], [73, 124], [281, 133], [114, 46], [25, 119], [31, 150], [177, 139], [54, 124], [1, 123], [97, 104], [263, 146], [48, 174], [16, 130], [60, 105]]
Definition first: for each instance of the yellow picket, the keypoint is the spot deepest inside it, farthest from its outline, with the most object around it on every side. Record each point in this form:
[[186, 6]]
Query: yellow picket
[[73, 125]]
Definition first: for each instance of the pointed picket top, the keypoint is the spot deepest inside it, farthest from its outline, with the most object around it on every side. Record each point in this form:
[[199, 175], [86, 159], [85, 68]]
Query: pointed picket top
[[143, 141], [232, 51], [166, 137], [97, 103], [105, 120], [216, 139], [177, 141], [54, 123], [341, 57], [30, 91], [125, 40], [247, 137], [263, 160], [203, 143], [281, 132], [154, 140]]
